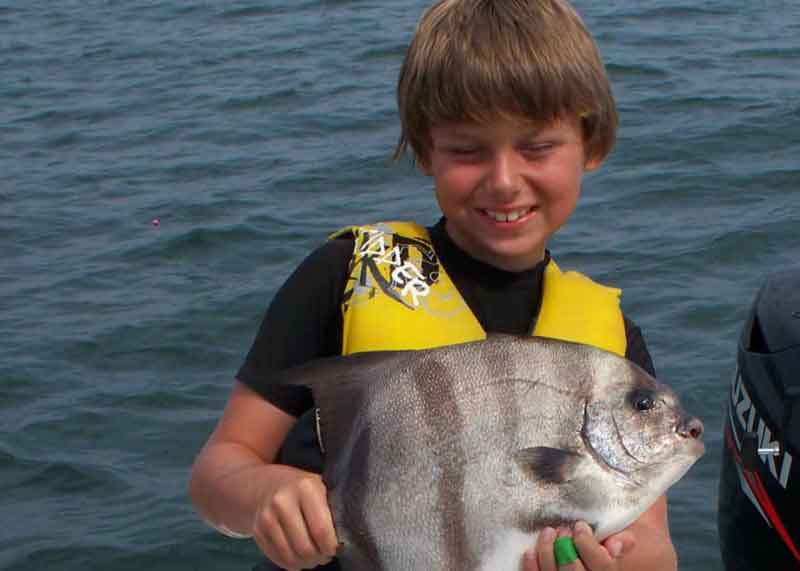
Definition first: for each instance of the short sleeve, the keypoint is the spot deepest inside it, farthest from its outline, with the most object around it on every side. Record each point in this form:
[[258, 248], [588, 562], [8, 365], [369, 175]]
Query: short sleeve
[[303, 322]]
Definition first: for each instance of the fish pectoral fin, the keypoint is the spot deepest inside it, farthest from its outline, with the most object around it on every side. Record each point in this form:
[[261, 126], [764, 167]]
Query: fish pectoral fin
[[551, 465]]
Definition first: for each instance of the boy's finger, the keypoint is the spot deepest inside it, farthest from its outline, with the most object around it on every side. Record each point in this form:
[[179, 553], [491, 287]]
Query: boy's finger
[[620, 543], [544, 549], [594, 555], [278, 551], [529, 560], [296, 535], [319, 521], [565, 555]]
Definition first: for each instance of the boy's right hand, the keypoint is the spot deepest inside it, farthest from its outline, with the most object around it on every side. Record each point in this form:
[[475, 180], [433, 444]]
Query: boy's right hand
[[293, 524]]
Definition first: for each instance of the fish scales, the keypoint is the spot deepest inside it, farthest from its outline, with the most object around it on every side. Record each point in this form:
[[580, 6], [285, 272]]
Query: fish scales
[[456, 457]]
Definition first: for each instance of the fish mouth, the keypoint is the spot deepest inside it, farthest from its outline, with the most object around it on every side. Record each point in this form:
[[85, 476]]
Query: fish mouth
[[696, 448], [599, 458]]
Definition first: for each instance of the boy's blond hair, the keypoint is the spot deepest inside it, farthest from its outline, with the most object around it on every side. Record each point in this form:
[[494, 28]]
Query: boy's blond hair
[[475, 60]]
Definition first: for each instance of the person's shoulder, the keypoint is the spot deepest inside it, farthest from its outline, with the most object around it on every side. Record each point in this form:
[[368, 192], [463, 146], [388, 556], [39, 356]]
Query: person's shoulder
[[333, 249], [301, 324], [329, 258]]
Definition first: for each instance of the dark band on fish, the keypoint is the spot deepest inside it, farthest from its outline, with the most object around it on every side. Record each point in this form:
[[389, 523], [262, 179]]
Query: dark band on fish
[[497, 366], [442, 417], [355, 513], [550, 465]]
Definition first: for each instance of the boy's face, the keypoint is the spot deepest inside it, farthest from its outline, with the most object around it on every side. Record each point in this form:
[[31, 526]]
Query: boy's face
[[505, 187]]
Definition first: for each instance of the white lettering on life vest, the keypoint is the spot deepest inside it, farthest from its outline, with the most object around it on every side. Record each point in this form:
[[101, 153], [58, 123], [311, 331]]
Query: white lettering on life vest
[[412, 281], [374, 246], [404, 274]]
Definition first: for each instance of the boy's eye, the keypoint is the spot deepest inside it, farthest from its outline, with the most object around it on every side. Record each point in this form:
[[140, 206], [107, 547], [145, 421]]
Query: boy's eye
[[464, 150], [465, 153], [536, 148]]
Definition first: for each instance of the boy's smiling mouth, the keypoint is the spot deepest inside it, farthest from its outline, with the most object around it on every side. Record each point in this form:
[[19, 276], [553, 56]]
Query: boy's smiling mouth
[[507, 216]]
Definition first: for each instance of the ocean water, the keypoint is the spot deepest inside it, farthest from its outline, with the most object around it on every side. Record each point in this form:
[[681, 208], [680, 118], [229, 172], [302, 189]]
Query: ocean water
[[250, 130]]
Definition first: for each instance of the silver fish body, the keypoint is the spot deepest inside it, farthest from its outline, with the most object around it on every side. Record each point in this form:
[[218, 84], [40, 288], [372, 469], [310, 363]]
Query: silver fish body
[[456, 457]]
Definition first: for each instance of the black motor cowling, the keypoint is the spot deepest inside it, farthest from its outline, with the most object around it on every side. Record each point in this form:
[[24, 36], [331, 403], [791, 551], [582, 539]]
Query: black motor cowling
[[759, 490]]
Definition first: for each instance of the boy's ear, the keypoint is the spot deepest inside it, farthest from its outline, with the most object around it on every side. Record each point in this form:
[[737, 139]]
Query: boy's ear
[[593, 163], [424, 165]]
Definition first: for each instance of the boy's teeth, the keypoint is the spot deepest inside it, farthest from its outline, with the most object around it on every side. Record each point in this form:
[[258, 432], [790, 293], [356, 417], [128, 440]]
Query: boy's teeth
[[508, 216]]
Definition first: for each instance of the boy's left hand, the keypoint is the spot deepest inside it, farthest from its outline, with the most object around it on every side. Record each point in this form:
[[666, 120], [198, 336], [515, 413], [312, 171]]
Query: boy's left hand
[[593, 555]]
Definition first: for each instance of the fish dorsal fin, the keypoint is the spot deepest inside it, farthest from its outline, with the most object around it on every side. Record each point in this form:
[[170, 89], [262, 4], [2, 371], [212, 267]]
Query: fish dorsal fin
[[550, 465]]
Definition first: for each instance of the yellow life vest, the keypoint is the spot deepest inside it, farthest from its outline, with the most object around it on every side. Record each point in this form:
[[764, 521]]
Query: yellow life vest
[[398, 296]]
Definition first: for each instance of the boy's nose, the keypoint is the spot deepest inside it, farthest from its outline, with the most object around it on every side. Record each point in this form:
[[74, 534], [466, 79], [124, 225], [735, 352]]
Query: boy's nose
[[504, 174]]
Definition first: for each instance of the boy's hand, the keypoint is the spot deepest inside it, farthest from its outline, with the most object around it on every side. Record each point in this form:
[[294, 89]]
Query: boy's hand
[[593, 556], [293, 525]]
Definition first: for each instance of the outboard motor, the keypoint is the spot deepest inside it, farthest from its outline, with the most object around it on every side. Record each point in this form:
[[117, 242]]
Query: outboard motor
[[759, 489]]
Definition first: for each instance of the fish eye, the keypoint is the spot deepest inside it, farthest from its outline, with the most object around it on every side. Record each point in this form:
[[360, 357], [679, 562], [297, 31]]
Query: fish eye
[[643, 401]]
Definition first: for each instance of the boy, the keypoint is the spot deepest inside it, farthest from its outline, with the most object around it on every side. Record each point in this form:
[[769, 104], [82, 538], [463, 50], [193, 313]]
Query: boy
[[504, 103]]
